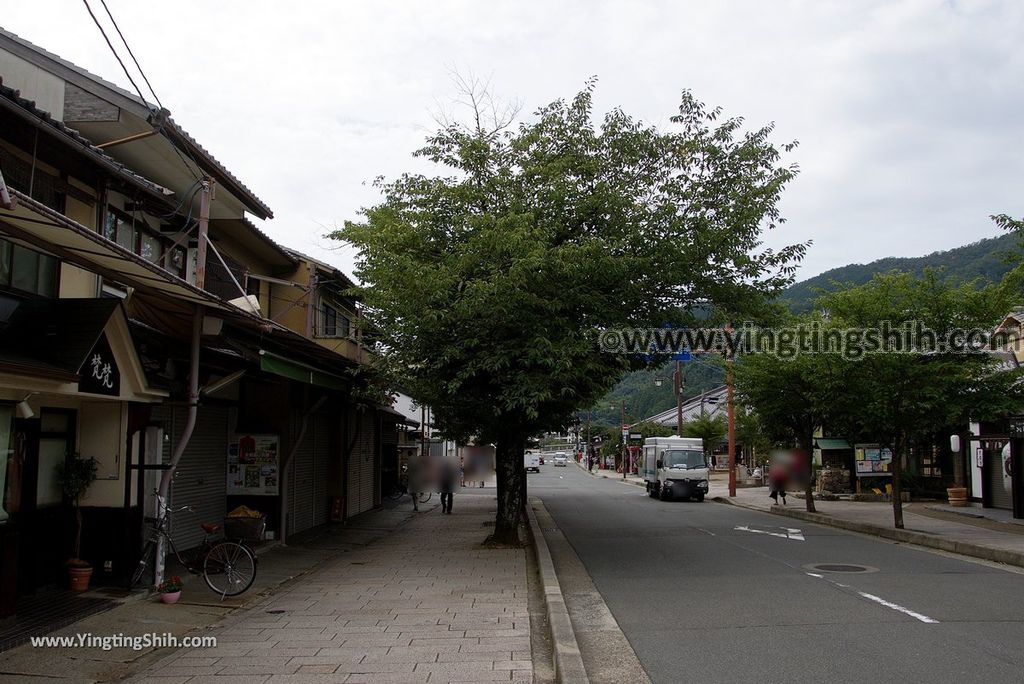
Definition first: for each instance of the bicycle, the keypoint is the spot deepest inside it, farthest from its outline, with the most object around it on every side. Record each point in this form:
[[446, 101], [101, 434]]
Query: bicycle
[[402, 488], [228, 567]]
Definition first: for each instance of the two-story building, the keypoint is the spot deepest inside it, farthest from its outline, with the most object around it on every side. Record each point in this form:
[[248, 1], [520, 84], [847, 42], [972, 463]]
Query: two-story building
[[138, 298]]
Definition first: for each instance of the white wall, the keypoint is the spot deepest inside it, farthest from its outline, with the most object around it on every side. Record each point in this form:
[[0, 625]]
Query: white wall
[[35, 84]]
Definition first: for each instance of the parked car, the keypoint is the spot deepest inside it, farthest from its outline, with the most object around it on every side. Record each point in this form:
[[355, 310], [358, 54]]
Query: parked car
[[560, 459]]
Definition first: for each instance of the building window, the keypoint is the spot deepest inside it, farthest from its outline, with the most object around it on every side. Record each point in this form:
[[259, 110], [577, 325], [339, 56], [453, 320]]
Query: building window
[[26, 270], [333, 322], [37, 184]]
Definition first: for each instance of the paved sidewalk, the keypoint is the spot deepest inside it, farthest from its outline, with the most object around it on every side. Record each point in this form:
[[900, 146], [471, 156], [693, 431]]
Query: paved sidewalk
[[918, 518], [426, 603]]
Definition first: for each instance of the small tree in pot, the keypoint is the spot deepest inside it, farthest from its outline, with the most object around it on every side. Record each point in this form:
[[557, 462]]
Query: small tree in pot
[[75, 477]]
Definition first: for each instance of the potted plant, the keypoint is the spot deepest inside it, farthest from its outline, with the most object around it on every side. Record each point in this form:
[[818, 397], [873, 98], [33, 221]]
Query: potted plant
[[75, 477], [170, 589]]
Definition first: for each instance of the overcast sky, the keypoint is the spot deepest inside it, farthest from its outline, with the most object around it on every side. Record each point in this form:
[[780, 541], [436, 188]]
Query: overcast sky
[[910, 115]]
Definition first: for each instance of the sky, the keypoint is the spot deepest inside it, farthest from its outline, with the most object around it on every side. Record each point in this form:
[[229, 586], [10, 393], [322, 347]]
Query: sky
[[908, 113]]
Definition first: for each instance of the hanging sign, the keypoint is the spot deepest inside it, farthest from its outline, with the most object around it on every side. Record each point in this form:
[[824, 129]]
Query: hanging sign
[[100, 374]]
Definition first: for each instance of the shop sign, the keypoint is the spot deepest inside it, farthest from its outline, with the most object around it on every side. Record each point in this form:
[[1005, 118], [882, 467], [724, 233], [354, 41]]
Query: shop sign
[[100, 374]]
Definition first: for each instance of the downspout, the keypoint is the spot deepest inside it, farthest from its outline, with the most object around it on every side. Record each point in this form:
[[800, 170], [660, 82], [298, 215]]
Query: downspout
[[182, 443]]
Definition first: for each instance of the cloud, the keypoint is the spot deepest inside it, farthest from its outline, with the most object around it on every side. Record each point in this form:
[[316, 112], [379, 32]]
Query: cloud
[[907, 112]]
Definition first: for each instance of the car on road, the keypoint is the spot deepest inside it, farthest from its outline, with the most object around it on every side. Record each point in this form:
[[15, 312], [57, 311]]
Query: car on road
[[560, 459]]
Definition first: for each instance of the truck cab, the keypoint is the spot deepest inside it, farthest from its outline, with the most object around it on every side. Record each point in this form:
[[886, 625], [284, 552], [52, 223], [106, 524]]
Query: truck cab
[[531, 461], [675, 468]]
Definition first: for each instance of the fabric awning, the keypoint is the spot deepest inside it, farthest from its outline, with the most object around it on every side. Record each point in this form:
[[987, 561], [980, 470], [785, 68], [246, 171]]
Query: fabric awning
[[829, 444], [296, 370]]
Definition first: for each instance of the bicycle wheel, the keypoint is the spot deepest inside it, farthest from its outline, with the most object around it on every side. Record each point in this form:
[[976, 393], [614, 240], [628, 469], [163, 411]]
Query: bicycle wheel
[[229, 568], [425, 497], [140, 569]]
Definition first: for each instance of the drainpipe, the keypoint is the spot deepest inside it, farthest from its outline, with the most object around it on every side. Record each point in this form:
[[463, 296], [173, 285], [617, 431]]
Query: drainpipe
[[182, 443]]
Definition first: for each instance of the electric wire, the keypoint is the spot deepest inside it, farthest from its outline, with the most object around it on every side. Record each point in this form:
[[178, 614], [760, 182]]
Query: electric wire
[[132, 54], [116, 56]]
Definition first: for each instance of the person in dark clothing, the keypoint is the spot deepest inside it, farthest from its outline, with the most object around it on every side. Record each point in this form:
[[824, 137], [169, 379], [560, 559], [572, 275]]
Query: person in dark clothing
[[446, 484]]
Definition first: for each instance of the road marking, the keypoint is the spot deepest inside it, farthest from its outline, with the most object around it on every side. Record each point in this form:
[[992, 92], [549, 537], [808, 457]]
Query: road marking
[[790, 532], [706, 531], [897, 607], [811, 574]]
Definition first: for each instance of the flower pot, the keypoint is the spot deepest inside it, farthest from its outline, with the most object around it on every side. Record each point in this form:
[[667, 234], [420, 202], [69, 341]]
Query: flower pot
[[170, 596], [79, 577], [957, 496]]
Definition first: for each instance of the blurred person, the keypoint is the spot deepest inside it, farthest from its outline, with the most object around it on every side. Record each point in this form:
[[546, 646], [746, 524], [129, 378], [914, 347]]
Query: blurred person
[[417, 481], [778, 479], [446, 483]]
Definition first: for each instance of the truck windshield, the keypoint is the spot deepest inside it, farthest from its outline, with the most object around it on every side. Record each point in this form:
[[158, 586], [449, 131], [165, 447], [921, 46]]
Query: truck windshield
[[683, 459]]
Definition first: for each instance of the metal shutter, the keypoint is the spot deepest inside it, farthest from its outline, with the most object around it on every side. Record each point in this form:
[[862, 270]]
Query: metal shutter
[[360, 467], [301, 488], [997, 482], [201, 476], [322, 468]]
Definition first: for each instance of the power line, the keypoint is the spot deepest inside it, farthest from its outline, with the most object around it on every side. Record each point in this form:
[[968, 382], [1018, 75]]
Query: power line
[[116, 56], [137, 65]]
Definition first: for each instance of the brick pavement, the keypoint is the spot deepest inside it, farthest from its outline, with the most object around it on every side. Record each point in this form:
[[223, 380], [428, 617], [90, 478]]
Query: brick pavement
[[424, 604]]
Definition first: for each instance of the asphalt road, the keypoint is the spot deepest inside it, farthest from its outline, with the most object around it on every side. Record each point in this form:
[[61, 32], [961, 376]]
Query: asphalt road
[[712, 592]]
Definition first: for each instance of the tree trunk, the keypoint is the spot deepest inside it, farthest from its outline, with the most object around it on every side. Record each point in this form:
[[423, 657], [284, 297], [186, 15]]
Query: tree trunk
[[511, 491], [897, 491]]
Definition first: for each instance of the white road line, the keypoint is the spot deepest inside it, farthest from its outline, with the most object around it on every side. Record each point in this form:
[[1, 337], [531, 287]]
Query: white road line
[[790, 533], [706, 531], [901, 609], [811, 574]]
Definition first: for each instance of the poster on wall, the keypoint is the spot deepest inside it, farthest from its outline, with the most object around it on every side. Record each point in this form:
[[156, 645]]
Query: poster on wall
[[252, 465], [872, 460]]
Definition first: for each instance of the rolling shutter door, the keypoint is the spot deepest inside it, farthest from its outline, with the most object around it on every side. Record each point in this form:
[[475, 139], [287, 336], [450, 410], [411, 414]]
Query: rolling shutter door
[[301, 493], [322, 468], [360, 467], [997, 481], [200, 479]]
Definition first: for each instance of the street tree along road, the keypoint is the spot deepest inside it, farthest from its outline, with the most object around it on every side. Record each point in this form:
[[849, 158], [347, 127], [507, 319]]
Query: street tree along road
[[700, 600], [484, 284]]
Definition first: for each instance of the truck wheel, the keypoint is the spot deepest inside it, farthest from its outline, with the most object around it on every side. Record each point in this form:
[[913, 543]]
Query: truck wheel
[[700, 498], [662, 495], [651, 491]]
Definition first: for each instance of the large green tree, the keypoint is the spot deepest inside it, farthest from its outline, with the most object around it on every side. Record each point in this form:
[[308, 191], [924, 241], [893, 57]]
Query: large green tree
[[897, 396], [484, 281]]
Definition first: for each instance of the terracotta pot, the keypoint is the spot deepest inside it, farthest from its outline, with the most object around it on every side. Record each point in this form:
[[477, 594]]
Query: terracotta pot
[[957, 496], [79, 577], [170, 597]]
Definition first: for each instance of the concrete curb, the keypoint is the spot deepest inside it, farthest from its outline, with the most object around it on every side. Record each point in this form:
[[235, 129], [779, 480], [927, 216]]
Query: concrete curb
[[567, 661], [988, 553], [609, 477]]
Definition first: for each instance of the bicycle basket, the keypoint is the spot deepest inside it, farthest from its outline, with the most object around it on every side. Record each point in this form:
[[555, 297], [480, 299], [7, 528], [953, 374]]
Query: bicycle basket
[[248, 530]]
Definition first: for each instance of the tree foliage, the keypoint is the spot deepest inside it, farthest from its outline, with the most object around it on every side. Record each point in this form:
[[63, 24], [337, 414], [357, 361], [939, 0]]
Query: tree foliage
[[485, 282]]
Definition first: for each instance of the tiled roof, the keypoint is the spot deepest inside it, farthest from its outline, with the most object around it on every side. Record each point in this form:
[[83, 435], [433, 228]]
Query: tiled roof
[[185, 138], [12, 99]]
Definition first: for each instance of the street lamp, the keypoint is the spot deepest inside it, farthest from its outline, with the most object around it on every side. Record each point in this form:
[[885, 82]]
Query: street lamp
[[677, 389]]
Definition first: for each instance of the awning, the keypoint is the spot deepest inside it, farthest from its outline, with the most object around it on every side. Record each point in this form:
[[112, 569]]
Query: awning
[[52, 337], [831, 444], [295, 370]]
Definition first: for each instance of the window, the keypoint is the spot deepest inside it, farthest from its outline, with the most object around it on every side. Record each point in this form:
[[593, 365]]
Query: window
[[333, 322], [38, 184], [137, 238], [27, 270]]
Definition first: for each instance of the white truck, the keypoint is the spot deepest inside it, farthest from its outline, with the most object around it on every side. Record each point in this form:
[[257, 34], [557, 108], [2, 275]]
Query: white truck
[[675, 468], [531, 461]]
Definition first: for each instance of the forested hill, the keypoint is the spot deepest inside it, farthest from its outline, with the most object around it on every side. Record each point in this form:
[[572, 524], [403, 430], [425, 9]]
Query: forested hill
[[985, 259]]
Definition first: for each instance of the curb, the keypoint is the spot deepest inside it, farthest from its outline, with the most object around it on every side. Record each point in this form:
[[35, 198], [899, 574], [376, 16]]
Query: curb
[[988, 553], [609, 477], [567, 661]]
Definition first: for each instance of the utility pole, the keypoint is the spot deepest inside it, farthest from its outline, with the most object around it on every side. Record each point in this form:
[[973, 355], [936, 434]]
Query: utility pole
[[205, 197], [679, 398], [732, 423], [625, 439]]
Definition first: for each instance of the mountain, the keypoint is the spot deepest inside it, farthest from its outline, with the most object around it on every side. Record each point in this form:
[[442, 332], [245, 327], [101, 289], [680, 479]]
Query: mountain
[[984, 260]]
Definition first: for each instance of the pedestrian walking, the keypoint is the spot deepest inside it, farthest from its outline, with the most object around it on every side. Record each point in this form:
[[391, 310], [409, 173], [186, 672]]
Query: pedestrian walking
[[446, 483], [417, 481], [777, 479]]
